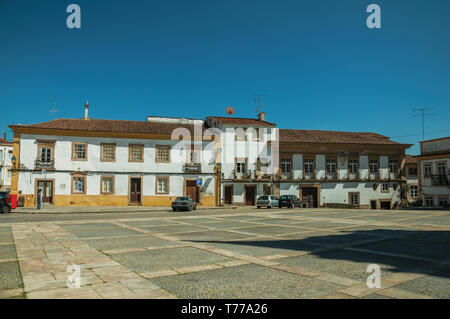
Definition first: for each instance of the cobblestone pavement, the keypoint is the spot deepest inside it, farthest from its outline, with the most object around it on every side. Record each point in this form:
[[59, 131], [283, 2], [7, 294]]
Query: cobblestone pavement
[[226, 253]]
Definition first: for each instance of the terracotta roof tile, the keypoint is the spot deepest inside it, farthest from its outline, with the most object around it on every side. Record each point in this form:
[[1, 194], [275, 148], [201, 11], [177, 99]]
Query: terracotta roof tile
[[240, 121], [335, 137], [3, 141], [110, 126]]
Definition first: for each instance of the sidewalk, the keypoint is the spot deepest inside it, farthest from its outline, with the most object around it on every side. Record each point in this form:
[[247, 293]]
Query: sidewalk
[[50, 209]]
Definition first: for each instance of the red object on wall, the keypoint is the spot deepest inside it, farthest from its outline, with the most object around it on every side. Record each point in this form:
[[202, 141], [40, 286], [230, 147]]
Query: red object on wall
[[12, 199]]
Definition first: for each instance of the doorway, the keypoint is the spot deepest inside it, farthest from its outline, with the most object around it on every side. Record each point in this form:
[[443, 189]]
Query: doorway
[[192, 190], [46, 188], [135, 190], [309, 196], [386, 204], [250, 193], [373, 204], [228, 195]]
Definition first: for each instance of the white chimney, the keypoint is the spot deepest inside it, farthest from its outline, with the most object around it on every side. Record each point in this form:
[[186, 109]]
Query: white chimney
[[262, 116], [86, 111]]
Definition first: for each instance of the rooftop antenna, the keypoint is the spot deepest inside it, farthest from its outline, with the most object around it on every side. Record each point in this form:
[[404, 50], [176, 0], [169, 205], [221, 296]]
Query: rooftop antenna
[[421, 113], [257, 100], [54, 110]]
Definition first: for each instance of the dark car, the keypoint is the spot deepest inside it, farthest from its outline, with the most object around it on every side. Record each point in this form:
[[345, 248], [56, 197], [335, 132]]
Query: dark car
[[184, 203], [5, 207], [289, 201]]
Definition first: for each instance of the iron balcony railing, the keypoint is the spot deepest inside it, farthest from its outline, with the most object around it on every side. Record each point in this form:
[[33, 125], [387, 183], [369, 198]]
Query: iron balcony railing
[[39, 164], [192, 168], [437, 180]]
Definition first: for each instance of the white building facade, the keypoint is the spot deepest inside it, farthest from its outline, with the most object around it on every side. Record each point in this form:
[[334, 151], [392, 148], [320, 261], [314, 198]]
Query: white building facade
[[89, 162], [6, 153], [435, 173]]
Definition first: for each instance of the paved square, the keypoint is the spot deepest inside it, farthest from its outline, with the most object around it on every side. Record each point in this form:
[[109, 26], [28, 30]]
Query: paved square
[[226, 253]]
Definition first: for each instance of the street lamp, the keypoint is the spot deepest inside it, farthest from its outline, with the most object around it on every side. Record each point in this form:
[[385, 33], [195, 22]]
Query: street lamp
[[14, 161]]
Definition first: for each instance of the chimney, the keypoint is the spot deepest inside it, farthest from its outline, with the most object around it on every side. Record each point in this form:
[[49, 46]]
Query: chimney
[[262, 116], [86, 111], [4, 136]]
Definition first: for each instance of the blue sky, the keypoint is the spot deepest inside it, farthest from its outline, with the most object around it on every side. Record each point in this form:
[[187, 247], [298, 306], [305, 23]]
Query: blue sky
[[317, 61]]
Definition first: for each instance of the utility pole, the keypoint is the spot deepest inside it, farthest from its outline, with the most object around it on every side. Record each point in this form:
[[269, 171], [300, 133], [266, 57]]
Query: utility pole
[[421, 113]]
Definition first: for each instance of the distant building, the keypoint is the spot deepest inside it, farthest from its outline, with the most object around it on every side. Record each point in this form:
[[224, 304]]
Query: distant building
[[434, 172], [6, 151], [413, 187]]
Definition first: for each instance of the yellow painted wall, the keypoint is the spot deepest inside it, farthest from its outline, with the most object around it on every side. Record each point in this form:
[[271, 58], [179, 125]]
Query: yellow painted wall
[[112, 200]]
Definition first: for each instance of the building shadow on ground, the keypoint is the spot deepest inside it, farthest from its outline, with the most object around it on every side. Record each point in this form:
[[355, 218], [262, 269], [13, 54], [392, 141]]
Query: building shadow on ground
[[409, 251]]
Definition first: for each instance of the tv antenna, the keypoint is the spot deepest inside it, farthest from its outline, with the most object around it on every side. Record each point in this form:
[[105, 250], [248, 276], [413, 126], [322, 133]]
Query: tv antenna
[[257, 100], [421, 113], [53, 110]]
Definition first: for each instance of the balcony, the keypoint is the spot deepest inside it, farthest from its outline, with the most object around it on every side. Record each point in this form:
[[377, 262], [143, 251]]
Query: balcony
[[439, 180], [192, 168], [38, 164]]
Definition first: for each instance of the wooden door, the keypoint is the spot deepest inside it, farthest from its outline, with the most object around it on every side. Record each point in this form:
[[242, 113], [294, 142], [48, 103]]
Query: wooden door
[[135, 190], [309, 196], [46, 188], [192, 190], [229, 195], [250, 195]]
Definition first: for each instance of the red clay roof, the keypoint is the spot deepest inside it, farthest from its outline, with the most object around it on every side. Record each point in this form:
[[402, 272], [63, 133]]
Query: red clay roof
[[3, 141], [410, 159], [316, 136], [240, 121], [110, 126]]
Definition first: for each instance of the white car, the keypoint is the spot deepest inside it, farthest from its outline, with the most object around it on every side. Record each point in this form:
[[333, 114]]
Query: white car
[[268, 201]]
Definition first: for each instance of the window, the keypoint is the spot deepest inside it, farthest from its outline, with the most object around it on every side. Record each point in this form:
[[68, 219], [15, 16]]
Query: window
[[136, 153], [286, 165], [256, 134], [443, 202], [442, 168], [414, 191], [10, 155], [412, 171], [241, 167], [78, 184], [8, 174], [1, 155], [353, 166], [162, 185], [309, 166], [393, 166], [427, 169], [239, 134], [353, 199], [373, 166], [46, 154], [108, 152], [385, 187], [162, 154], [331, 166], [107, 185], [429, 201], [79, 151]]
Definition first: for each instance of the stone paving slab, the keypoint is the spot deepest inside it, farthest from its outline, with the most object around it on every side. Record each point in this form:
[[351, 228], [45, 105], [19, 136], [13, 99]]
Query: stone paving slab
[[7, 252], [174, 229], [169, 258], [10, 277], [104, 232], [210, 235], [247, 281], [128, 242]]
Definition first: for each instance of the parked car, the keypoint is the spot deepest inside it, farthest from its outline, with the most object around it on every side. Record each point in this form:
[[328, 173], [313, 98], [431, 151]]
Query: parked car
[[289, 201], [5, 207], [268, 201], [184, 203]]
